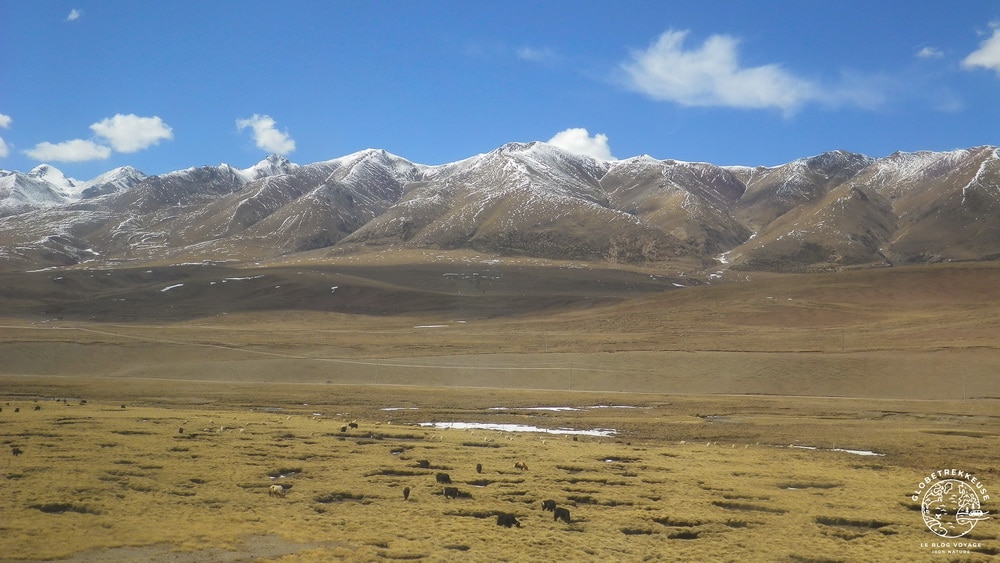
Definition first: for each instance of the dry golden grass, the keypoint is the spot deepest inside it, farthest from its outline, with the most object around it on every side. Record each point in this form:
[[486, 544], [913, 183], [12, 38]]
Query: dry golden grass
[[725, 379], [685, 478]]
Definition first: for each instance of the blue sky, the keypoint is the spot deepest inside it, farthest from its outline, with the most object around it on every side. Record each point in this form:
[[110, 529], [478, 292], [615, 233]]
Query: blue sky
[[91, 85]]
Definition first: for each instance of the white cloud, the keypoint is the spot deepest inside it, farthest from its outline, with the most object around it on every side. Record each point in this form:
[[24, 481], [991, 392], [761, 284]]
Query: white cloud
[[4, 124], [988, 54], [131, 133], [74, 15], [265, 134], [710, 75], [577, 140], [77, 150], [930, 53]]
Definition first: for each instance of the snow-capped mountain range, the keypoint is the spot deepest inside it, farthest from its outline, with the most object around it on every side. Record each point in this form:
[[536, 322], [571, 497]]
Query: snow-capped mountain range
[[830, 211]]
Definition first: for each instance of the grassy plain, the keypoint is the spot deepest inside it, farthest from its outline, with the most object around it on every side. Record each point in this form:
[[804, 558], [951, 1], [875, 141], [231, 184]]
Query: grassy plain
[[731, 405]]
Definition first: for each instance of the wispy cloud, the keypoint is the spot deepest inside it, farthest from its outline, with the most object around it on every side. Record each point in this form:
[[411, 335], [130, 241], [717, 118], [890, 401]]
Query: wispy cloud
[[711, 75], [131, 133], [5, 121], [536, 55], [266, 135], [930, 53], [577, 140], [77, 150], [988, 54], [74, 15]]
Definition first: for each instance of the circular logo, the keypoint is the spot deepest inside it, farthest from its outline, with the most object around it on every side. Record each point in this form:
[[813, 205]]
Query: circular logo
[[951, 508]]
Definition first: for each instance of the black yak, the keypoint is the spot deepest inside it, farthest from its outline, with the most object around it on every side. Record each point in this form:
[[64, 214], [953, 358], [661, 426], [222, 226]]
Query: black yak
[[507, 520], [561, 513]]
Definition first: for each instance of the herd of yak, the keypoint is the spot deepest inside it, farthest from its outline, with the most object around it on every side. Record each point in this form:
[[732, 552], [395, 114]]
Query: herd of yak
[[503, 518]]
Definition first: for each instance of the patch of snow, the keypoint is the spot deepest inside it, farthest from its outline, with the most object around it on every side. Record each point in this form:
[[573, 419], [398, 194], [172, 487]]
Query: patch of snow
[[604, 432], [842, 450]]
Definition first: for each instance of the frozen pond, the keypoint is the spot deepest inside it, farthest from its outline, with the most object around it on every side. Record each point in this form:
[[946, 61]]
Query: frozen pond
[[606, 432], [562, 409], [855, 452]]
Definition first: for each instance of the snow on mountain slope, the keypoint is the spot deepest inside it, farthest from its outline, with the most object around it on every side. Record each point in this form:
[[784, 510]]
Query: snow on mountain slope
[[20, 192], [113, 181], [833, 210], [522, 197], [273, 165], [692, 201]]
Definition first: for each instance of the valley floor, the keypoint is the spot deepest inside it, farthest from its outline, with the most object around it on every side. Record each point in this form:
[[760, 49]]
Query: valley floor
[[789, 419], [170, 470]]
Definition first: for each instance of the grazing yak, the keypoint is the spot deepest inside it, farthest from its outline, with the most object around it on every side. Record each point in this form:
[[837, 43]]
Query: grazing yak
[[16, 451], [423, 464], [443, 478], [343, 429], [276, 491], [406, 493], [507, 520], [561, 513], [451, 492], [520, 465], [353, 424], [549, 505]]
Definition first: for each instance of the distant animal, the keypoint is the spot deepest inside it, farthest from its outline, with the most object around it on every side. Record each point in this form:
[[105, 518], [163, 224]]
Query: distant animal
[[549, 505], [443, 478], [561, 513], [276, 491], [520, 465], [17, 409], [38, 407], [406, 493], [479, 468], [507, 520], [343, 429], [16, 451], [423, 464], [180, 430], [451, 492], [353, 424], [123, 406]]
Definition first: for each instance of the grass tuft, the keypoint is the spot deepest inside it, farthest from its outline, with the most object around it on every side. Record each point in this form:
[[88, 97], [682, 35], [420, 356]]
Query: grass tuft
[[850, 522], [338, 496], [61, 507]]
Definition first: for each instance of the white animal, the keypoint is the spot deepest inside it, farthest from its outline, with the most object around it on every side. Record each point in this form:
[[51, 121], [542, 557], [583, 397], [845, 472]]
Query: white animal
[[276, 491]]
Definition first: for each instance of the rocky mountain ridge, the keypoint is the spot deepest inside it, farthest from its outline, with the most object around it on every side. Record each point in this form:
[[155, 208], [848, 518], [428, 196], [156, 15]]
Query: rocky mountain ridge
[[835, 210]]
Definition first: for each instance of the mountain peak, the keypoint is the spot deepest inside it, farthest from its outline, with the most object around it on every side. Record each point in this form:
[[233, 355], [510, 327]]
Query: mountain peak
[[273, 165], [52, 175]]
